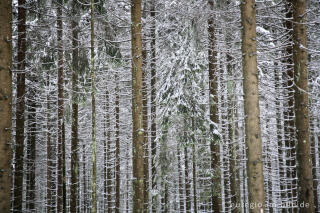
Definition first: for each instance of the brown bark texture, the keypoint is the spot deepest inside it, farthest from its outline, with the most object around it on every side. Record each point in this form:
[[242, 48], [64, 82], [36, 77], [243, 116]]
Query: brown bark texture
[[60, 108], [137, 110], [251, 107], [300, 57], [20, 108], [5, 103], [214, 117]]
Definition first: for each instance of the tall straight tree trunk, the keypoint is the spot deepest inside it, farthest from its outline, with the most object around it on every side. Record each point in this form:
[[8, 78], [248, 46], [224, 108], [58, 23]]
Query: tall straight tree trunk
[[314, 163], [20, 108], [153, 103], [85, 184], [181, 188], [107, 169], [300, 57], [64, 186], [137, 110], [50, 182], [5, 103], [145, 127], [93, 108], [251, 107], [280, 129], [60, 108], [31, 151], [187, 181], [194, 175], [234, 186], [118, 181], [213, 101], [74, 189], [289, 122]]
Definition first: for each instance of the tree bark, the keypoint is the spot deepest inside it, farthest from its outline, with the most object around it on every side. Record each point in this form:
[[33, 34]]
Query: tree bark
[[31, 151], [93, 115], [187, 181], [20, 108], [181, 188], [289, 123], [251, 107], [137, 131], [5, 103], [300, 57], [50, 150], [194, 174], [61, 163], [107, 169], [145, 125], [213, 100], [153, 103], [74, 189], [118, 178]]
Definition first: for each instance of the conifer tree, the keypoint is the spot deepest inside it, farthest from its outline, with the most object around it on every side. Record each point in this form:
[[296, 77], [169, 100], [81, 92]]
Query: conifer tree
[[251, 107], [5, 103]]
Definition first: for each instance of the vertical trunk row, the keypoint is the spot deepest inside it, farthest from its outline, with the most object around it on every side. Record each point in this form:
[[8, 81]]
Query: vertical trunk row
[[187, 180], [251, 107], [107, 171], [289, 122], [74, 188], [31, 151], [153, 102], [194, 175], [213, 101], [86, 196], [234, 187], [20, 108], [93, 115], [304, 167], [181, 188], [50, 165], [61, 178], [117, 109], [145, 120], [5, 103], [137, 111], [280, 129]]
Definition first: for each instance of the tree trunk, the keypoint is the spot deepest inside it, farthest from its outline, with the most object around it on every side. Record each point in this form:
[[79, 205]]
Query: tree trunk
[[234, 186], [153, 103], [251, 107], [314, 163], [31, 151], [19, 152], [93, 115], [194, 174], [304, 168], [74, 190], [137, 131], [84, 176], [289, 122], [187, 181], [118, 181], [60, 108], [213, 100], [5, 103], [50, 165], [107, 169], [145, 127], [181, 188]]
